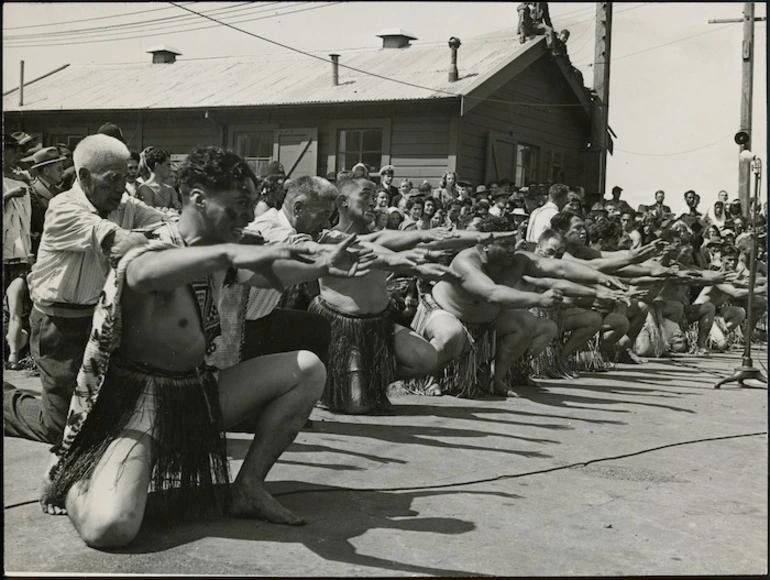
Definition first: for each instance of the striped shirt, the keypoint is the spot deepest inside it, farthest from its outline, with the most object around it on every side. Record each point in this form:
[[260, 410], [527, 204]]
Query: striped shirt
[[71, 267]]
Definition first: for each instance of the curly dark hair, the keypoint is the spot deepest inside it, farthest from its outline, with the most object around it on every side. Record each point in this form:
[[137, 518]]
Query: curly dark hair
[[490, 223], [604, 230], [215, 169], [562, 220], [155, 155]]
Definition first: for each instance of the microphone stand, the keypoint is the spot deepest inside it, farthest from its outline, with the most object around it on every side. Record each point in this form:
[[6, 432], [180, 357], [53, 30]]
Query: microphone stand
[[747, 370]]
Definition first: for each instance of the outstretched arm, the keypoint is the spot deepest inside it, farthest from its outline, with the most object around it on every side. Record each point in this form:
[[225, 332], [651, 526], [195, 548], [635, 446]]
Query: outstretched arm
[[476, 282], [168, 269], [537, 266]]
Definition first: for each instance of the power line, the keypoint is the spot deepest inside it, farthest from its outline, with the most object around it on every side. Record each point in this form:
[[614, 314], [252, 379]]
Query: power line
[[89, 19], [127, 25], [368, 73], [613, 59], [677, 153], [112, 38]]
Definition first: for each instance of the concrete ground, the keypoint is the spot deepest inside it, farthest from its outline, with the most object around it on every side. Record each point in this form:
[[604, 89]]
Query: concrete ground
[[646, 470]]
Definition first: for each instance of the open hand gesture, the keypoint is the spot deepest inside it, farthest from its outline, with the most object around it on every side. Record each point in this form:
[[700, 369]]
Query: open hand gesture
[[551, 298], [346, 262]]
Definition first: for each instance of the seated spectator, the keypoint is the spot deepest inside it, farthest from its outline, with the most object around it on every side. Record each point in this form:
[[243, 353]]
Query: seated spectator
[[414, 209], [395, 217]]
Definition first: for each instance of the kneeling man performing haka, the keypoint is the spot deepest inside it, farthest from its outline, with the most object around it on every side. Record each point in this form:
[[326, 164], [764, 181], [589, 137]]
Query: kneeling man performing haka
[[148, 414]]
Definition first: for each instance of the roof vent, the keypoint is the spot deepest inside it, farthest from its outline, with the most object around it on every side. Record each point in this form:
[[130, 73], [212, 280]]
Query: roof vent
[[163, 54], [395, 38]]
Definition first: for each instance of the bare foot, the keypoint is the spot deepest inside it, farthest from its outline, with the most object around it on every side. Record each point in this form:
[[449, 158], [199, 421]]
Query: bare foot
[[505, 391], [433, 389], [256, 503], [46, 505]]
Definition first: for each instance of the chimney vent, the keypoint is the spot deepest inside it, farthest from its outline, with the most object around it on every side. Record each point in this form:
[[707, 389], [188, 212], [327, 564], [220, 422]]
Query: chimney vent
[[396, 38], [335, 69], [454, 44], [163, 54]]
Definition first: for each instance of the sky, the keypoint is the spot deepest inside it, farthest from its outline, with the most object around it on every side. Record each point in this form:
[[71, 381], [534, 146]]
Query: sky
[[675, 79]]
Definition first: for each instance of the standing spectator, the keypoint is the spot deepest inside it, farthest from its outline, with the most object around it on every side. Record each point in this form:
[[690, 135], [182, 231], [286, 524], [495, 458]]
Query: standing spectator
[[499, 200], [84, 227], [68, 168], [48, 169], [631, 238], [659, 209], [386, 182], [621, 204], [693, 216], [447, 188], [716, 215], [132, 176], [540, 218], [17, 249], [156, 190], [723, 197]]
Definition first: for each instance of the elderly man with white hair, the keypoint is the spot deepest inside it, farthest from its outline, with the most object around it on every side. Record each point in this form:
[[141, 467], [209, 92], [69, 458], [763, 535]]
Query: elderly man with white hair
[[83, 228]]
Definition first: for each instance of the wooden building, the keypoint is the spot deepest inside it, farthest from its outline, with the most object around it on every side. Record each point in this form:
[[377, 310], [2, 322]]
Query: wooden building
[[516, 111]]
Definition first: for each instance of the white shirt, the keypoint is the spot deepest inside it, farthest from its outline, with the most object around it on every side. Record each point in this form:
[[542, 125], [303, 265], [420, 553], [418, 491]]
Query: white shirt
[[540, 220], [238, 302], [71, 266]]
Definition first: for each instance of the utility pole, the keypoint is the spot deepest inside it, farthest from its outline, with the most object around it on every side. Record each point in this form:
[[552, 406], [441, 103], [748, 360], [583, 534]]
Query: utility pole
[[601, 102], [747, 90]]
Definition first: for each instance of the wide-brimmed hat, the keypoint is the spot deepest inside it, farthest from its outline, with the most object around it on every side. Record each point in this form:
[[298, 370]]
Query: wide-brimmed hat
[[481, 189], [22, 139], [519, 212], [44, 157], [387, 169]]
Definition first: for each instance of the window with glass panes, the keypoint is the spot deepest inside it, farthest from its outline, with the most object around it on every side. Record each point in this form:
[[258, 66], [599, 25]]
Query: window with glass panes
[[359, 146], [527, 160], [256, 147]]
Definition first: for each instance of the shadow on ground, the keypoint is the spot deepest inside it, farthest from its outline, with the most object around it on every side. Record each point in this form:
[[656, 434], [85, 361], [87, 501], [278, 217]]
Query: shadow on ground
[[336, 515]]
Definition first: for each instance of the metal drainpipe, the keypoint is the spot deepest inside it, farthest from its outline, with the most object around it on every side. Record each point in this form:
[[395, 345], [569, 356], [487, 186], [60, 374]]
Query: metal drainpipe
[[335, 69], [21, 84], [454, 44]]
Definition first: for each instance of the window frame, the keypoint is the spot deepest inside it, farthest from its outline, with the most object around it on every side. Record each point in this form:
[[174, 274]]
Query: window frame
[[254, 128], [337, 125]]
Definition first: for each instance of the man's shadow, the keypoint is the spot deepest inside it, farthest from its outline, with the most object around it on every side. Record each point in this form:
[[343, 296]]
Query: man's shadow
[[335, 517]]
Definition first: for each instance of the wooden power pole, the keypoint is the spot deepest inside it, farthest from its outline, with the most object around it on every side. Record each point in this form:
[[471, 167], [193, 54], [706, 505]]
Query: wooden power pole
[[601, 86], [747, 91]]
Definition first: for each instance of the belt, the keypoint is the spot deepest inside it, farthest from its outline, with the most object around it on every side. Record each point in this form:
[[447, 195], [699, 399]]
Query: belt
[[65, 310]]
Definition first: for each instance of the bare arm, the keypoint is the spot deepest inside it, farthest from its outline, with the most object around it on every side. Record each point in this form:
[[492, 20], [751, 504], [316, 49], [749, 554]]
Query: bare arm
[[564, 286], [476, 282], [575, 271], [168, 269]]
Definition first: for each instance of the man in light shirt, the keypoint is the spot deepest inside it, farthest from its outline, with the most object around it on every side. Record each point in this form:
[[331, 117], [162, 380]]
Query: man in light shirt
[[84, 227], [540, 218]]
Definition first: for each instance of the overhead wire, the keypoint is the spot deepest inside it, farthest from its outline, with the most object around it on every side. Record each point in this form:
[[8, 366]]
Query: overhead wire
[[369, 73], [648, 49], [135, 24], [79, 20], [678, 152], [169, 32]]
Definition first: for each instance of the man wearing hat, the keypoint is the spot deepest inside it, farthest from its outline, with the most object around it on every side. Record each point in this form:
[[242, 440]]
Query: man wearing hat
[[275, 169], [386, 182], [48, 169], [621, 204], [499, 200]]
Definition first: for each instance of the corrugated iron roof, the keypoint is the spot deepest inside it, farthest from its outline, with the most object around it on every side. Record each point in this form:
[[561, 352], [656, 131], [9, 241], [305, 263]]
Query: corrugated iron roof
[[277, 79]]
